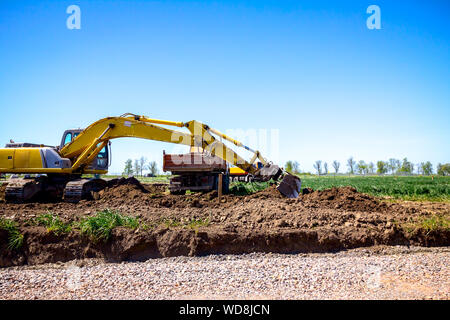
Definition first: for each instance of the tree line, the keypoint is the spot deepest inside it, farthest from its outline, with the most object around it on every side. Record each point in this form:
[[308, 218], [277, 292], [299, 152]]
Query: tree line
[[392, 166], [139, 166]]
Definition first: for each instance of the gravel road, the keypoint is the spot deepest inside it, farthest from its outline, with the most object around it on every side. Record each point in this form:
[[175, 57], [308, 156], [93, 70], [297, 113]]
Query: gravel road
[[368, 273]]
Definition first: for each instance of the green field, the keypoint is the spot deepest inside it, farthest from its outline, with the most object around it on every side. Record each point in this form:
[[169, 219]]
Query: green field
[[398, 187]]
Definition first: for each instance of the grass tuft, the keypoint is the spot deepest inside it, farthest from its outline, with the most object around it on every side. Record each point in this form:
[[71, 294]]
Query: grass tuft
[[15, 238], [415, 188], [171, 223], [99, 227], [435, 222], [197, 223], [246, 188], [431, 223], [53, 223]]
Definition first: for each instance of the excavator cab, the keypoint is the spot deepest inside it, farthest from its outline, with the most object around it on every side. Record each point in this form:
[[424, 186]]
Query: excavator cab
[[101, 162]]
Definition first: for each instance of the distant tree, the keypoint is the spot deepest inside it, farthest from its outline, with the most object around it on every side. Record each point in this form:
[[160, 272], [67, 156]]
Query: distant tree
[[443, 169], [419, 168], [394, 165], [318, 167], [137, 168], [371, 168], [351, 165], [325, 168], [336, 166], [142, 162], [128, 171], [362, 167], [382, 167], [153, 168], [295, 167], [406, 167], [288, 166], [426, 168], [292, 167]]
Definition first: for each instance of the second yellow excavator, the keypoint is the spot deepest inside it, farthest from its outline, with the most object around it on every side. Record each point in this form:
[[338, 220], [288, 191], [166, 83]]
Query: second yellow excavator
[[58, 170]]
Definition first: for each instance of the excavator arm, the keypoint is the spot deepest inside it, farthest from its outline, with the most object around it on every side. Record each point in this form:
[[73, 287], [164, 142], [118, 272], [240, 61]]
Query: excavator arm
[[91, 141]]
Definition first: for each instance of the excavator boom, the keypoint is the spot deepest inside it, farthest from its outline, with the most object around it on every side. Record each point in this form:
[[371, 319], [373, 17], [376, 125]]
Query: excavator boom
[[75, 158]]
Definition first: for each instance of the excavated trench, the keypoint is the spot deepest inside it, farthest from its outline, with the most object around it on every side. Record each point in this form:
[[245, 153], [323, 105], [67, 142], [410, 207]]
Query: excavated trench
[[199, 224]]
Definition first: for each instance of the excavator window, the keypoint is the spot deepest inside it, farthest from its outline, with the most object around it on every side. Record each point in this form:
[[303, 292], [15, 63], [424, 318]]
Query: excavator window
[[68, 138], [102, 158], [102, 153]]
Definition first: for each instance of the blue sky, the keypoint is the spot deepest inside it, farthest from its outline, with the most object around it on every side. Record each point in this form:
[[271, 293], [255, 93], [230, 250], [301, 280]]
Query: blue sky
[[310, 69]]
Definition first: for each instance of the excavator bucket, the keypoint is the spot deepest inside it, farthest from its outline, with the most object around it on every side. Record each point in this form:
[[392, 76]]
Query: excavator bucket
[[268, 172], [290, 186]]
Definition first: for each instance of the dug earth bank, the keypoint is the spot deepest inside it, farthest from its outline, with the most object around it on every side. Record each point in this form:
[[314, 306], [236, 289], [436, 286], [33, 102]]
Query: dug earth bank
[[199, 224]]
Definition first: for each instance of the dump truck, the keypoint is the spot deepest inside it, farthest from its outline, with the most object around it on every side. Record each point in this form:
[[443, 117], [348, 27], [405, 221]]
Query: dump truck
[[195, 171]]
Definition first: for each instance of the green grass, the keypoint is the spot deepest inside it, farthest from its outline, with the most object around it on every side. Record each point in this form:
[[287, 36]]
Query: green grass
[[171, 223], [398, 187], [15, 238], [435, 222], [197, 223], [416, 188], [53, 223], [99, 226], [191, 224], [428, 224], [246, 188]]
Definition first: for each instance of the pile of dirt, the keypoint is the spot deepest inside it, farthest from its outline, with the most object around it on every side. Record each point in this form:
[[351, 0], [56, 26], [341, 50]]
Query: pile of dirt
[[41, 246], [2, 191], [121, 190], [198, 223], [124, 181], [269, 193], [156, 188], [344, 198]]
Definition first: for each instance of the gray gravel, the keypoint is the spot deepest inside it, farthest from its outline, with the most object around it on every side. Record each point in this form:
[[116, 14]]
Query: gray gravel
[[373, 273]]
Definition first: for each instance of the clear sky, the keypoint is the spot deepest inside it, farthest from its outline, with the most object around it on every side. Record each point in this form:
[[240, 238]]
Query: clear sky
[[310, 69]]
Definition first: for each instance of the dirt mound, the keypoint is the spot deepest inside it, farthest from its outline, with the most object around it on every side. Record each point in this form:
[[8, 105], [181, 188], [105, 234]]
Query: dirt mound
[[41, 246], [198, 223], [345, 198], [121, 190], [124, 181], [269, 193], [156, 188], [2, 191]]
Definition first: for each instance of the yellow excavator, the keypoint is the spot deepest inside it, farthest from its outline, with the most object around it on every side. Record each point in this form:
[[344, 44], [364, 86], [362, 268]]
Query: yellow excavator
[[57, 171]]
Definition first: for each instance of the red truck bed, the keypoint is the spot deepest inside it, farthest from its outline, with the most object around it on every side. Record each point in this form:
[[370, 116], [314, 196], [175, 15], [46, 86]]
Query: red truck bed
[[192, 162]]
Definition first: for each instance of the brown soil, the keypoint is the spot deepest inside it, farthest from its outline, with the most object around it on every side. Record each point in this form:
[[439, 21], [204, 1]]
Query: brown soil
[[2, 191], [318, 221]]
